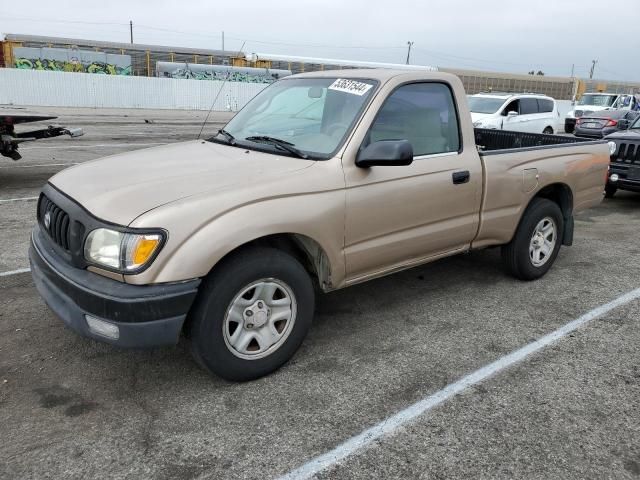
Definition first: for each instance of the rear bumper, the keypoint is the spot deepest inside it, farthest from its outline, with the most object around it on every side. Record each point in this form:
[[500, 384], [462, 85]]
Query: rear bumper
[[588, 133], [142, 316]]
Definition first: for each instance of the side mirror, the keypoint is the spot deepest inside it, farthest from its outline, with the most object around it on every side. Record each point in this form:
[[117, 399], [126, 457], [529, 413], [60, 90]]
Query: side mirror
[[623, 124], [512, 114], [385, 152]]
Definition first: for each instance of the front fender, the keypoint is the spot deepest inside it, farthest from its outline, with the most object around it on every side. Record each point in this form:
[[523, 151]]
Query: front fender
[[192, 254]]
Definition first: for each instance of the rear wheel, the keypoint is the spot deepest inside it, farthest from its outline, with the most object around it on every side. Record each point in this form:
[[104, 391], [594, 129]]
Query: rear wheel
[[251, 314], [610, 191], [537, 241], [548, 131]]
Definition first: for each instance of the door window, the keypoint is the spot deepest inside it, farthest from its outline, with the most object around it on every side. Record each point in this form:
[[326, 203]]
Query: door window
[[512, 107], [422, 113], [528, 106], [545, 105]]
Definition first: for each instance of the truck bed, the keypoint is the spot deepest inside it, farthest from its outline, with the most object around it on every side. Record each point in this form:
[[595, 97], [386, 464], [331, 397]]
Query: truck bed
[[491, 141]]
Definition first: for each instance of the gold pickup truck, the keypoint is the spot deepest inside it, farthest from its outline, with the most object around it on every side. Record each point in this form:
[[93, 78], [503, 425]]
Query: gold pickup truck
[[322, 181]]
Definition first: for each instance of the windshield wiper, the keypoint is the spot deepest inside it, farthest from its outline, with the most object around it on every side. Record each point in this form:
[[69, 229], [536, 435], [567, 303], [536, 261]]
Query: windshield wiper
[[283, 144], [230, 138]]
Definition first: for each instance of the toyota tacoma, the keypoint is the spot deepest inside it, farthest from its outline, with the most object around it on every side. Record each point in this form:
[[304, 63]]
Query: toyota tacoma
[[324, 180]]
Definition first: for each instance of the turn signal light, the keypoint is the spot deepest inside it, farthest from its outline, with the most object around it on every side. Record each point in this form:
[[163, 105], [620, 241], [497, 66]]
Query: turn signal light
[[144, 248]]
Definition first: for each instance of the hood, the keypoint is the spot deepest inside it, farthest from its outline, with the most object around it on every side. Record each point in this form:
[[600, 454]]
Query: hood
[[121, 187], [479, 116], [588, 108], [625, 134]]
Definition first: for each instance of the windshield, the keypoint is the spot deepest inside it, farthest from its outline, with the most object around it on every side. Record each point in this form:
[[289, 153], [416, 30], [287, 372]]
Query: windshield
[[635, 125], [597, 100], [485, 104], [313, 115]]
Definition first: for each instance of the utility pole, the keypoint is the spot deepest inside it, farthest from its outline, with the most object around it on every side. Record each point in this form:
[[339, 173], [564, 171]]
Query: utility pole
[[573, 69], [593, 67], [131, 30], [223, 40], [410, 44]]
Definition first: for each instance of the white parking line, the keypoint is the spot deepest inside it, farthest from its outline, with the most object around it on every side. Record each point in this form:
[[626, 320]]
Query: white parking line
[[14, 272], [390, 425], [20, 199]]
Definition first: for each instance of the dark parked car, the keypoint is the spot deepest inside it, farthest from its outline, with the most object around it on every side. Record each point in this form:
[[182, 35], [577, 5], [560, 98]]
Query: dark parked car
[[601, 124], [624, 170]]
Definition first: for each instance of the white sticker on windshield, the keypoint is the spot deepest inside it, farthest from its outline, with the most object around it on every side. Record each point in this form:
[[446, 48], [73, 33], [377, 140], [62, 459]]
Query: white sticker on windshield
[[350, 86]]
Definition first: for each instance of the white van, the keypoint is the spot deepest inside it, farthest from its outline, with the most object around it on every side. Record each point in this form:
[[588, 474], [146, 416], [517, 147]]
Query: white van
[[521, 112]]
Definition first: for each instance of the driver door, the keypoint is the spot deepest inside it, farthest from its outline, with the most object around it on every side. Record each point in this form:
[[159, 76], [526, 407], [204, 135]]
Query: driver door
[[397, 216], [514, 123]]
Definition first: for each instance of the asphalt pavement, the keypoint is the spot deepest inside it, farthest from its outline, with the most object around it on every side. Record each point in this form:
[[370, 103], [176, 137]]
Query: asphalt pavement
[[74, 408]]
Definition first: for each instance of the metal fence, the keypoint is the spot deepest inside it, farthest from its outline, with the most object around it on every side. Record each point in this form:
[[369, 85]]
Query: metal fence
[[33, 87]]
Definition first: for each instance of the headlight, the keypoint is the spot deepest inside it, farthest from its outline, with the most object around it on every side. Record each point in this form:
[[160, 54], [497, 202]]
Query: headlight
[[612, 147], [478, 123], [122, 251]]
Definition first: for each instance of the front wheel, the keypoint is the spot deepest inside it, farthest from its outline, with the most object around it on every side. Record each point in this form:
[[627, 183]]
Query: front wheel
[[251, 314], [548, 131], [537, 241]]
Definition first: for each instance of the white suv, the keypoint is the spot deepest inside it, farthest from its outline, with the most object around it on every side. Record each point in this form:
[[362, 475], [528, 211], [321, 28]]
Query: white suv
[[522, 112]]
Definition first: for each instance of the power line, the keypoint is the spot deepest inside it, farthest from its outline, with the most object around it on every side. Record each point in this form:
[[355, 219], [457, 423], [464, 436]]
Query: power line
[[210, 35], [470, 62], [270, 42], [48, 20]]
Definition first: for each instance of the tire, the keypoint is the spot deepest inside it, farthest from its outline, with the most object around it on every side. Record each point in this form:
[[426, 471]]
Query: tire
[[610, 191], [517, 255], [548, 131], [212, 323]]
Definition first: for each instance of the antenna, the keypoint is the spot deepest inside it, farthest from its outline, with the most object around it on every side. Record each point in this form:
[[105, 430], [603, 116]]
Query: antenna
[[206, 119]]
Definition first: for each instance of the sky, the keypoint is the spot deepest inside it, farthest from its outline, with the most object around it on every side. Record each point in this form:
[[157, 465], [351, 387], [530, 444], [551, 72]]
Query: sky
[[497, 35]]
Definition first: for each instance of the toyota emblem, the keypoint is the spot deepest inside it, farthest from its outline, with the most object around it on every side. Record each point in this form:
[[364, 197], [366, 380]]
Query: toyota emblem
[[47, 220]]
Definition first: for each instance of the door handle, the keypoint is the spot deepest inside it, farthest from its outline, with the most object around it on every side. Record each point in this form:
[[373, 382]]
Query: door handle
[[460, 177]]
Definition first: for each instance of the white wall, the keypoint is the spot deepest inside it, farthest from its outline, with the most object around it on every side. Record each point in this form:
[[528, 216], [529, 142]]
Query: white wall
[[64, 89]]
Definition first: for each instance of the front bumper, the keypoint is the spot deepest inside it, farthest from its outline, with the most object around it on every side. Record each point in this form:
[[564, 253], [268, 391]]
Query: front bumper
[[145, 316], [624, 184]]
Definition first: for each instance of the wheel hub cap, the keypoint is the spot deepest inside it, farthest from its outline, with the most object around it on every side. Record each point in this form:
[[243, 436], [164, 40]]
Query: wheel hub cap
[[259, 319], [256, 315], [543, 242]]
